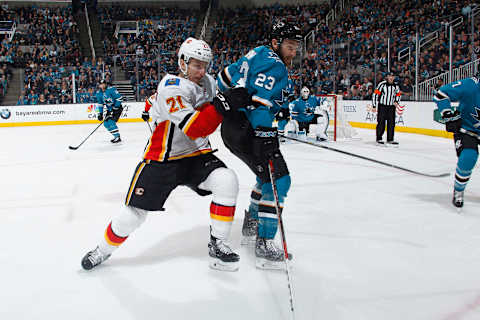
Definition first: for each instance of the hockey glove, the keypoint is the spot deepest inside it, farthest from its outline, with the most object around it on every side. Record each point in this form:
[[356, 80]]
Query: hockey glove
[[283, 114], [231, 100], [265, 143], [100, 116], [453, 121], [145, 116]]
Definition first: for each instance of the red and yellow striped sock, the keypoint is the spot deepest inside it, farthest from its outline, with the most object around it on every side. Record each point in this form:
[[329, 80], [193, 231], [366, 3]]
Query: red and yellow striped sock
[[221, 220], [111, 238]]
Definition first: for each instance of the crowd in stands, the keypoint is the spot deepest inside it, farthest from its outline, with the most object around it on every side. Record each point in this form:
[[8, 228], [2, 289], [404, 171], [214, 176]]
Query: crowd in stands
[[53, 82], [347, 57], [361, 45], [160, 30], [235, 31]]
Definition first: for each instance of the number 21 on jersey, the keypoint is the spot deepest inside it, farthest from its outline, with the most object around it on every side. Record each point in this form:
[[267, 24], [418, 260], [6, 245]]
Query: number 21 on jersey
[[172, 102]]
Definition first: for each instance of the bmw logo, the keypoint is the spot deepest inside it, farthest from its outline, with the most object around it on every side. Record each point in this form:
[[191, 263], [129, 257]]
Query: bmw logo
[[5, 114]]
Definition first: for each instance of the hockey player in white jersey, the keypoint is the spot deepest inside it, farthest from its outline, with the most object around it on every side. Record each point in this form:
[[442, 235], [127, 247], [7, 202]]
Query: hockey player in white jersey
[[185, 112]]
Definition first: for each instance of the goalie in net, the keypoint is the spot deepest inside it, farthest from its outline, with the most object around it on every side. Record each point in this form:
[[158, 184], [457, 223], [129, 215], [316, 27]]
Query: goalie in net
[[318, 117]]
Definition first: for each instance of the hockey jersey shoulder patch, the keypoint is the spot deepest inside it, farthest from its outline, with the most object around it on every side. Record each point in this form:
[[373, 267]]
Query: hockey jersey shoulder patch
[[172, 82]]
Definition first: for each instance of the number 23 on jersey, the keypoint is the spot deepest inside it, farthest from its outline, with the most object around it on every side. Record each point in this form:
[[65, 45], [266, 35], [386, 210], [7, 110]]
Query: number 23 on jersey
[[175, 104]]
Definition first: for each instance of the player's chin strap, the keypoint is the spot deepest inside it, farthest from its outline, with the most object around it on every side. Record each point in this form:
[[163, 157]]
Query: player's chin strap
[[184, 72]]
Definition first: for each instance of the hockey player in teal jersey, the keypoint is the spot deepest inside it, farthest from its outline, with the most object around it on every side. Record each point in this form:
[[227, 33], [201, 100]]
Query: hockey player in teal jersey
[[111, 99], [250, 135], [307, 110], [464, 122], [303, 108]]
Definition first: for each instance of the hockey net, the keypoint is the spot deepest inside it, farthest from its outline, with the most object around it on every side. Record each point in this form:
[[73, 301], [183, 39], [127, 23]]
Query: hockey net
[[339, 127]]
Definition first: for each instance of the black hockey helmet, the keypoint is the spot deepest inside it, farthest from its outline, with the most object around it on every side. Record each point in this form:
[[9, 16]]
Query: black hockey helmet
[[283, 29]]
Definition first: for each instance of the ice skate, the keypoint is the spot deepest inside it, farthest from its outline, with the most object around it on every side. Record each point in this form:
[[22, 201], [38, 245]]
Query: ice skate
[[380, 143], [268, 255], [392, 144], [249, 230], [116, 140], [458, 199], [221, 256], [94, 258]]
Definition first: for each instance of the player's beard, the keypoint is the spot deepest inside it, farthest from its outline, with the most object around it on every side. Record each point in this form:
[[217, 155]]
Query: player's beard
[[287, 63]]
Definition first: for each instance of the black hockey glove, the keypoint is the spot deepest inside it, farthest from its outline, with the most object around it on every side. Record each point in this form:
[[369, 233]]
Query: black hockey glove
[[265, 143], [228, 102], [100, 116], [453, 121], [145, 116], [283, 114]]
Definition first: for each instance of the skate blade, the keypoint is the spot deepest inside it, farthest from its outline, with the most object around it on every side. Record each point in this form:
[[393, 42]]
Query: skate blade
[[248, 241], [265, 264], [218, 264]]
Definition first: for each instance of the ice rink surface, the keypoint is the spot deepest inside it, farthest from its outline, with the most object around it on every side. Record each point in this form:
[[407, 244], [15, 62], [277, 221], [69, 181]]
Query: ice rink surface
[[370, 242]]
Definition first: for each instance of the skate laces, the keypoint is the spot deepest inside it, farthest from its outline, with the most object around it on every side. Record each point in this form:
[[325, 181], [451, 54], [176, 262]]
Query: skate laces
[[251, 222], [223, 247], [272, 247], [96, 256]]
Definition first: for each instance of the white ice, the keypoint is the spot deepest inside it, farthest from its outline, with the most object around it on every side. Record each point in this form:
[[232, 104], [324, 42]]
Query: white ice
[[370, 242]]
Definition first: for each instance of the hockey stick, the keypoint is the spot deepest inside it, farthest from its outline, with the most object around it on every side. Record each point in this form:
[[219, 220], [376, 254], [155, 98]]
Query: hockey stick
[[440, 175], [75, 148], [149, 127], [282, 233]]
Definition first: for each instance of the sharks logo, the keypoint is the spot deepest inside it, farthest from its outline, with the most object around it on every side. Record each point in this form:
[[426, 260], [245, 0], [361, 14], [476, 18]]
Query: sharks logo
[[476, 116], [283, 97]]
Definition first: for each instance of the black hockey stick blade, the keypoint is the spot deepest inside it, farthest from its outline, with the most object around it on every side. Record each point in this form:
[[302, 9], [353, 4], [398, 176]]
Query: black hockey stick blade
[[440, 175], [75, 148]]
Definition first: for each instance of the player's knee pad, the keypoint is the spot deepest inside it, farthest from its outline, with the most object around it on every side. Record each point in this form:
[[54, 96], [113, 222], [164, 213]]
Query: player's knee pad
[[129, 219], [223, 183], [110, 125], [279, 167]]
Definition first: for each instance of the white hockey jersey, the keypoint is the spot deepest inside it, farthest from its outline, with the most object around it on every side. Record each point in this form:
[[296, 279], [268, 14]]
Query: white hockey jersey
[[176, 108]]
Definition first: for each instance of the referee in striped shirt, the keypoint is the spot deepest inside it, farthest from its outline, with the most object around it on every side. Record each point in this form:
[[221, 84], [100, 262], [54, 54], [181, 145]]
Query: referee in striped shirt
[[386, 98]]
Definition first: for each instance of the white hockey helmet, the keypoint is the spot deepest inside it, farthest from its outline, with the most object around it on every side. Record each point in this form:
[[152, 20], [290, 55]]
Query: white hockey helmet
[[193, 48], [304, 93]]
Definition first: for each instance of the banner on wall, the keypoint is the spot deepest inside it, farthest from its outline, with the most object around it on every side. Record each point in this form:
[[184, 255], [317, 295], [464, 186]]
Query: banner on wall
[[415, 117], [61, 114], [409, 114]]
